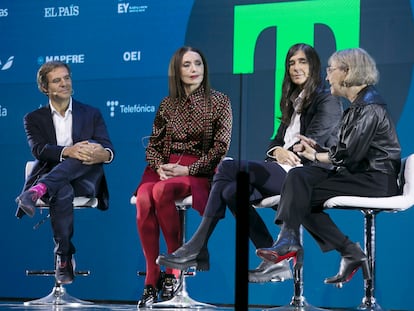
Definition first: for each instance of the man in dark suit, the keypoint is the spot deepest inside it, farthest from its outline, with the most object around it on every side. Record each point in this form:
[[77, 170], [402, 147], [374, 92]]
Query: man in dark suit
[[70, 143]]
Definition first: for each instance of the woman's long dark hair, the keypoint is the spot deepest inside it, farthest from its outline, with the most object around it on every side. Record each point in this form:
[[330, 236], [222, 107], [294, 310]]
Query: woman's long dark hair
[[312, 84], [175, 85]]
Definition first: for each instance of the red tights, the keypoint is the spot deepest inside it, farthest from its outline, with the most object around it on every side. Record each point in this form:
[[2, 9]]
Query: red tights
[[156, 209]]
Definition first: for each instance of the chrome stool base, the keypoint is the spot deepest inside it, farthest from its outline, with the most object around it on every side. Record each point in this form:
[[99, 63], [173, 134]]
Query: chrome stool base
[[369, 305], [182, 300], [297, 306], [58, 297]]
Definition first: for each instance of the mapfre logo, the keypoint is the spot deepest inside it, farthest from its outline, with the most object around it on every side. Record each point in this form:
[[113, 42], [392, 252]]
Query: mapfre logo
[[69, 58], [61, 11], [7, 64], [4, 12]]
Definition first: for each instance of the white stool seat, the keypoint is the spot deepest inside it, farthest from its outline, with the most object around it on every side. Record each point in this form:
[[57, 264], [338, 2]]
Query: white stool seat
[[268, 202], [395, 203], [78, 202], [187, 201], [370, 207]]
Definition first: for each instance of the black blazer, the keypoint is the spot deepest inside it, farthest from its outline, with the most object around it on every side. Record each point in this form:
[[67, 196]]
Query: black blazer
[[320, 121]]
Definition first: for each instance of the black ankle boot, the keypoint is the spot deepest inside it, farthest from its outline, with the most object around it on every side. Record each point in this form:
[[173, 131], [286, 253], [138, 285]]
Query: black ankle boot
[[287, 245], [170, 286], [148, 298], [183, 259], [194, 253], [352, 259], [64, 269], [271, 272]]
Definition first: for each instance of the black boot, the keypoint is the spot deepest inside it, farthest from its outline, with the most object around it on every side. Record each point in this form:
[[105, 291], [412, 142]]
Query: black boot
[[194, 253], [170, 287], [148, 298], [64, 269], [352, 259], [287, 245], [271, 272]]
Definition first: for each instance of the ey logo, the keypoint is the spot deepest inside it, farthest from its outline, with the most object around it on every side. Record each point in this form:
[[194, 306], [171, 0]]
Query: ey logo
[[295, 22]]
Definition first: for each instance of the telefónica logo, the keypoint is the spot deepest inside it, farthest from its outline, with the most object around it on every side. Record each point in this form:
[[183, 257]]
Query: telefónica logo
[[8, 63], [128, 109], [112, 104]]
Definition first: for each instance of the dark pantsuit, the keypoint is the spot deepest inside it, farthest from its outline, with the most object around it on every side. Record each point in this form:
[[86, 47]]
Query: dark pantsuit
[[265, 179], [316, 185], [66, 180]]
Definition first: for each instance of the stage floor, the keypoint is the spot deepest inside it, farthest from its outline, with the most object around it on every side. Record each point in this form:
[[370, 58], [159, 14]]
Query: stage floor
[[4, 305]]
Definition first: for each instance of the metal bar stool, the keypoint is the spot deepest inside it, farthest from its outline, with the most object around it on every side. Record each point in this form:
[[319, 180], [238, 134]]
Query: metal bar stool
[[181, 299], [370, 207], [58, 296], [298, 301]]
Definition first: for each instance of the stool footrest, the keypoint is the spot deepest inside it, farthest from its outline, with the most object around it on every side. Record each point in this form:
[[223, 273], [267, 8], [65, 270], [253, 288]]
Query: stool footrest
[[186, 273], [52, 272]]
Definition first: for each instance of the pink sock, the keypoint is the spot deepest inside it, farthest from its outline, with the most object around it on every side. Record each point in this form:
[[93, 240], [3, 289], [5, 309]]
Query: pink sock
[[40, 189]]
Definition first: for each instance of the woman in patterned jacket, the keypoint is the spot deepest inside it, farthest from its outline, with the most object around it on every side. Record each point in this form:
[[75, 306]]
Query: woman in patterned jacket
[[190, 135]]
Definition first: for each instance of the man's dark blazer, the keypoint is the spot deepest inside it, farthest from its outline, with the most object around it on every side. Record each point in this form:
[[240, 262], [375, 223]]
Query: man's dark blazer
[[87, 124]]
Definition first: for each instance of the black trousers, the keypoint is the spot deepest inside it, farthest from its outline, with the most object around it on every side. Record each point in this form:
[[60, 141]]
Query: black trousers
[[307, 188], [265, 179], [66, 180]]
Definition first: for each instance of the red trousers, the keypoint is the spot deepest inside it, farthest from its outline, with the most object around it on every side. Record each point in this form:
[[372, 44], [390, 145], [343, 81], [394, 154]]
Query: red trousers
[[156, 210]]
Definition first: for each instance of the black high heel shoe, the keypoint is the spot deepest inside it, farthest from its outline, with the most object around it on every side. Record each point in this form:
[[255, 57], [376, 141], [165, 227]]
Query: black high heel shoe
[[287, 246], [353, 259], [182, 259]]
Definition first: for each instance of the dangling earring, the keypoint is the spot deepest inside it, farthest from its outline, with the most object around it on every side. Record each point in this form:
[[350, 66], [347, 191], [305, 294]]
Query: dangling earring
[[73, 92]]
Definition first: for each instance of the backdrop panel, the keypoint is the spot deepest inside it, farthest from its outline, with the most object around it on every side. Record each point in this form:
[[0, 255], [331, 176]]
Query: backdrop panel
[[119, 53]]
